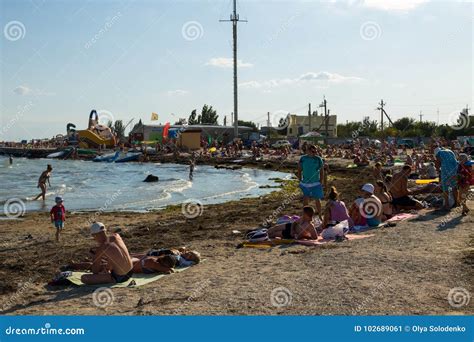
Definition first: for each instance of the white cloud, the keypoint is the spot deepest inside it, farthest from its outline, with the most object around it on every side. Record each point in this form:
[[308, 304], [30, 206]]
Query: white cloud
[[393, 5], [177, 92], [22, 90], [223, 62], [322, 76]]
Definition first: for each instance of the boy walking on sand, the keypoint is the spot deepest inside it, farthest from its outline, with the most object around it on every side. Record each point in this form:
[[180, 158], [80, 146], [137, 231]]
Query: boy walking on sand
[[58, 216]]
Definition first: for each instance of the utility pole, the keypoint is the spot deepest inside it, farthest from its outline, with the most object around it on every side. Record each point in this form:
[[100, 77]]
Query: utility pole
[[225, 120], [324, 105], [234, 18], [381, 104], [268, 119], [421, 116], [309, 116], [437, 111]]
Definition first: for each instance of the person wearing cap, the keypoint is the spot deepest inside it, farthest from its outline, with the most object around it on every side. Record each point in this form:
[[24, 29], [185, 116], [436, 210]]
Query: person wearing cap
[[112, 262], [447, 165], [401, 196], [58, 215], [44, 177], [310, 173], [371, 207]]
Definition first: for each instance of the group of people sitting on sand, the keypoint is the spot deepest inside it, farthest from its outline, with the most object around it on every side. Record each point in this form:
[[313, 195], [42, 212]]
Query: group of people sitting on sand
[[112, 262], [389, 194]]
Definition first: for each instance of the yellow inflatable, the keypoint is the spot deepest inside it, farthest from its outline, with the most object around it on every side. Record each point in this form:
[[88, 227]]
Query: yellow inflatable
[[427, 181]]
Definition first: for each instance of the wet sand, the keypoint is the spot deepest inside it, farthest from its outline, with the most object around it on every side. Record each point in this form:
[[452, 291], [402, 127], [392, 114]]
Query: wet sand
[[402, 270]]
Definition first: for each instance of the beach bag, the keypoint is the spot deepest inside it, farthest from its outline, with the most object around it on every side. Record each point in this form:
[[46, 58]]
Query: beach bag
[[258, 235], [339, 230]]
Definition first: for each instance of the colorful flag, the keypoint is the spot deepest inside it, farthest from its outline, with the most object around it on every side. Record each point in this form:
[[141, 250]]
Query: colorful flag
[[165, 130], [154, 117]]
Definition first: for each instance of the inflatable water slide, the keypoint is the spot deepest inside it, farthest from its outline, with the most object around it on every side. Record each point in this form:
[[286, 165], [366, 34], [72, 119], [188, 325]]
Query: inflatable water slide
[[96, 134]]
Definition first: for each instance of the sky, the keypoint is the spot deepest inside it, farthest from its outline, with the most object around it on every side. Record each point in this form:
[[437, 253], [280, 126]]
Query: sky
[[127, 59]]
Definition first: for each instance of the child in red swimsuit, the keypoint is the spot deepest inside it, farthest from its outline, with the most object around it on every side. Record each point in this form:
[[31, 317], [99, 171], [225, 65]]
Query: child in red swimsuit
[[464, 181]]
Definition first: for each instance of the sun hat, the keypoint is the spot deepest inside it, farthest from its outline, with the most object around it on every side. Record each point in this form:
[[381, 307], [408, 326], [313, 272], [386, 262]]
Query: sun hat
[[58, 199], [368, 188], [97, 227]]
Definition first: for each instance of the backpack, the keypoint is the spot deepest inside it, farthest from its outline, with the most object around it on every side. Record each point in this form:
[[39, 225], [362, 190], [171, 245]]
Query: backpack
[[258, 235]]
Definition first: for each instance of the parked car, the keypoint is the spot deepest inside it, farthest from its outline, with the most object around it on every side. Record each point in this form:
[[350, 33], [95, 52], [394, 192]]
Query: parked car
[[408, 143], [281, 143]]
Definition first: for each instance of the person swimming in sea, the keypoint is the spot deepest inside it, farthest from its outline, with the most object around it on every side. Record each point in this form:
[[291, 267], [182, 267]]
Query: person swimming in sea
[[191, 169], [10, 159], [42, 181]]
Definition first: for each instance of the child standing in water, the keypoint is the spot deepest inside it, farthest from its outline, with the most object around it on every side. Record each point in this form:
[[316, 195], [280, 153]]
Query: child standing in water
[[58, 216]]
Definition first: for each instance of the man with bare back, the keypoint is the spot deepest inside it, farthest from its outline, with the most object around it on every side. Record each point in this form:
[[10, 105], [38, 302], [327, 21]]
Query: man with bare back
[[112, 262]]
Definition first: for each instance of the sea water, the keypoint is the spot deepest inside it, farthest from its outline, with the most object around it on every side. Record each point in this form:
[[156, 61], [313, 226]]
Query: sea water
[[87, 186]]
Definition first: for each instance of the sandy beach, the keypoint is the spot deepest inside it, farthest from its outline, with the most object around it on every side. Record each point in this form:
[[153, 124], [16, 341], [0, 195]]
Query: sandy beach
[[403, 270]]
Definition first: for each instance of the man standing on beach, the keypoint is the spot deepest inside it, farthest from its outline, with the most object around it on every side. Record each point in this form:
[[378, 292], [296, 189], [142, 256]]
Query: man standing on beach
[[447, 165], [112, 262], [310, 173], [42, 182]]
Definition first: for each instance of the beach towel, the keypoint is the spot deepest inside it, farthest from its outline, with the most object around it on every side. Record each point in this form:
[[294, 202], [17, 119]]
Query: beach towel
[[137, 280], [321, 241], [402, 217], [268, 243]]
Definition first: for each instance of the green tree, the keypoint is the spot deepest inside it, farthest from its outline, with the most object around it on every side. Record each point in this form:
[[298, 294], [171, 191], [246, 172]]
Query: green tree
[[119, 129], [247, 124], [192, 118], [208, 115]]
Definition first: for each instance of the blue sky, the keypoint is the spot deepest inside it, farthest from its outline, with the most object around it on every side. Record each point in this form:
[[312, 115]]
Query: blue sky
[[60, 59]]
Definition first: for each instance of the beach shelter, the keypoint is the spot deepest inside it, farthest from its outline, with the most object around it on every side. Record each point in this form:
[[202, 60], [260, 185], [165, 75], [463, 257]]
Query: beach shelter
[[312, 137]]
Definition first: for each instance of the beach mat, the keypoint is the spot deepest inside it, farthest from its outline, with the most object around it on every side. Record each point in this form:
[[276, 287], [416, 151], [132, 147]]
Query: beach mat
[[402, 217], [321, 241], [137, 280]]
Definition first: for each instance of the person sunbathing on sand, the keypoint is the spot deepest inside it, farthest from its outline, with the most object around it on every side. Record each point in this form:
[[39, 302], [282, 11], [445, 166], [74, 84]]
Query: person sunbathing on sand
[[335, 210], [152, 264], [400, 193], [185, 256], [112, 262], [298, 230]]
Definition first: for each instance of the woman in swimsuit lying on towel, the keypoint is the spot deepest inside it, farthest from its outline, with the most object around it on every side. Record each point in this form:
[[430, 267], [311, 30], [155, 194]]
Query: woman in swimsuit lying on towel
[[299, 230], [183, 256], [152, 264]]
